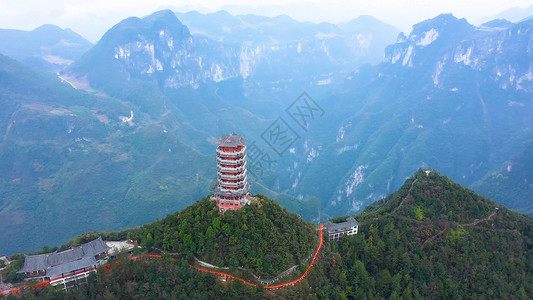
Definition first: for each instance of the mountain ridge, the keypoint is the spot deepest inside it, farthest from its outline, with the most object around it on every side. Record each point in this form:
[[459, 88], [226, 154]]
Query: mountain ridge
[[453, 94], [431, 238], [47, 47], [455, 106], [251, 50], [60, 151]]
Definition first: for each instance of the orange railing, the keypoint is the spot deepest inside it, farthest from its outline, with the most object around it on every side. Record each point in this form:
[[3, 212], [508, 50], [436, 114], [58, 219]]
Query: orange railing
[[108, 267], [222, 273], [271, 286]]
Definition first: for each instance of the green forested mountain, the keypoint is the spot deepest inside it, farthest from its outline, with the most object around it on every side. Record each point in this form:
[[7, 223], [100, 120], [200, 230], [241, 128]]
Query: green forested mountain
[[70, 164], [442, 98], [436, 239], [430, 239]]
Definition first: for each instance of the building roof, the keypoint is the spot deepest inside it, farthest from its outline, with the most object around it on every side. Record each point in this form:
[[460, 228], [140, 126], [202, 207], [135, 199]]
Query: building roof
[[59, 270], [231, 140], [34, 263], [350, 222], [83, 254], [58, 258], [95, 247]]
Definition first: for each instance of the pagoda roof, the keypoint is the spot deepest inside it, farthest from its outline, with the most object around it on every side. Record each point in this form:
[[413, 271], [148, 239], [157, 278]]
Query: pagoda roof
[[225, 192], [231, 140]]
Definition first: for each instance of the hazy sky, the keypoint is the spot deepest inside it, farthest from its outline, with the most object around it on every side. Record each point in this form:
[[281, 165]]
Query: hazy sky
[[91, 18]]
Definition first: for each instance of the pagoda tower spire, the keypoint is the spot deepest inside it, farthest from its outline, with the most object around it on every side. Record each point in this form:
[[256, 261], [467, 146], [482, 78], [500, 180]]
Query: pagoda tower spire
[[232, 189]]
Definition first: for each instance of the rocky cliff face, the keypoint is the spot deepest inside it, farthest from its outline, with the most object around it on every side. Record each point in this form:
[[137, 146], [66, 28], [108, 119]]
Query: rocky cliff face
[[271, 52], [449, 95], [158, 47], [500, 49]]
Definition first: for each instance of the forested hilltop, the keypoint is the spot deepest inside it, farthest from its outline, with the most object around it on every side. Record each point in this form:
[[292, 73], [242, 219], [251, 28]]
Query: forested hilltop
[[435, 239], [262, 237], [430, 239]]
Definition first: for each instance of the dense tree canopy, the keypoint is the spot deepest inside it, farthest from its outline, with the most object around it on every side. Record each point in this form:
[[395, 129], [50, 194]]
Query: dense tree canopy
[[262, 237], [431, 239]]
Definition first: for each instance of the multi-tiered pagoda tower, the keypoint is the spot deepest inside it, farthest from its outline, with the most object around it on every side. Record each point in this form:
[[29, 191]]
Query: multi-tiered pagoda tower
[[232, 189]]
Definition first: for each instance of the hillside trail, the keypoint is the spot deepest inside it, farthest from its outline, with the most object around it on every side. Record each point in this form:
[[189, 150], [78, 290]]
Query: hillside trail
[[490, 217], [405, 198], [291, 283], [471, 224], [434, 236]]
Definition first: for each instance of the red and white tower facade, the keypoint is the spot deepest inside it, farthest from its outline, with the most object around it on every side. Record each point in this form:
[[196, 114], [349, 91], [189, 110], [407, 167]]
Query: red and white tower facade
[[232, 189]]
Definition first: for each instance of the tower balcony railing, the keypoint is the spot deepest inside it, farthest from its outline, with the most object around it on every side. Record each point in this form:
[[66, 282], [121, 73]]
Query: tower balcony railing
[[231, 154], [232, 169], [240, 191], [233, 184], [238, 199], [239, 161], [231, 176]]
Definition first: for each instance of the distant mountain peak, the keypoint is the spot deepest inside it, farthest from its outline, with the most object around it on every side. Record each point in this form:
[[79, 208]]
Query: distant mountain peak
[[223, 12], [133, 27], [284, 18], [444, 23], [164, 13], [365, 23], [166, 17], [514, 14], [362, 19], [443, 31], [47, 47], [157, 47], [48, 27], [160, 47], [499, 23], [149, 28]]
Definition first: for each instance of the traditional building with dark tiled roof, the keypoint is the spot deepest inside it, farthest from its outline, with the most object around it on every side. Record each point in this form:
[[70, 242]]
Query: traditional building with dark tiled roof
[[61, 265], [337, 230]]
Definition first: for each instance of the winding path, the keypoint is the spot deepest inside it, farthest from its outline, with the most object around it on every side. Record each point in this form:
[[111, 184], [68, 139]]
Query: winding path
[[406, 196], [108, 267], [471, 224], [277, 285], [481, 220], [434, 236]]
